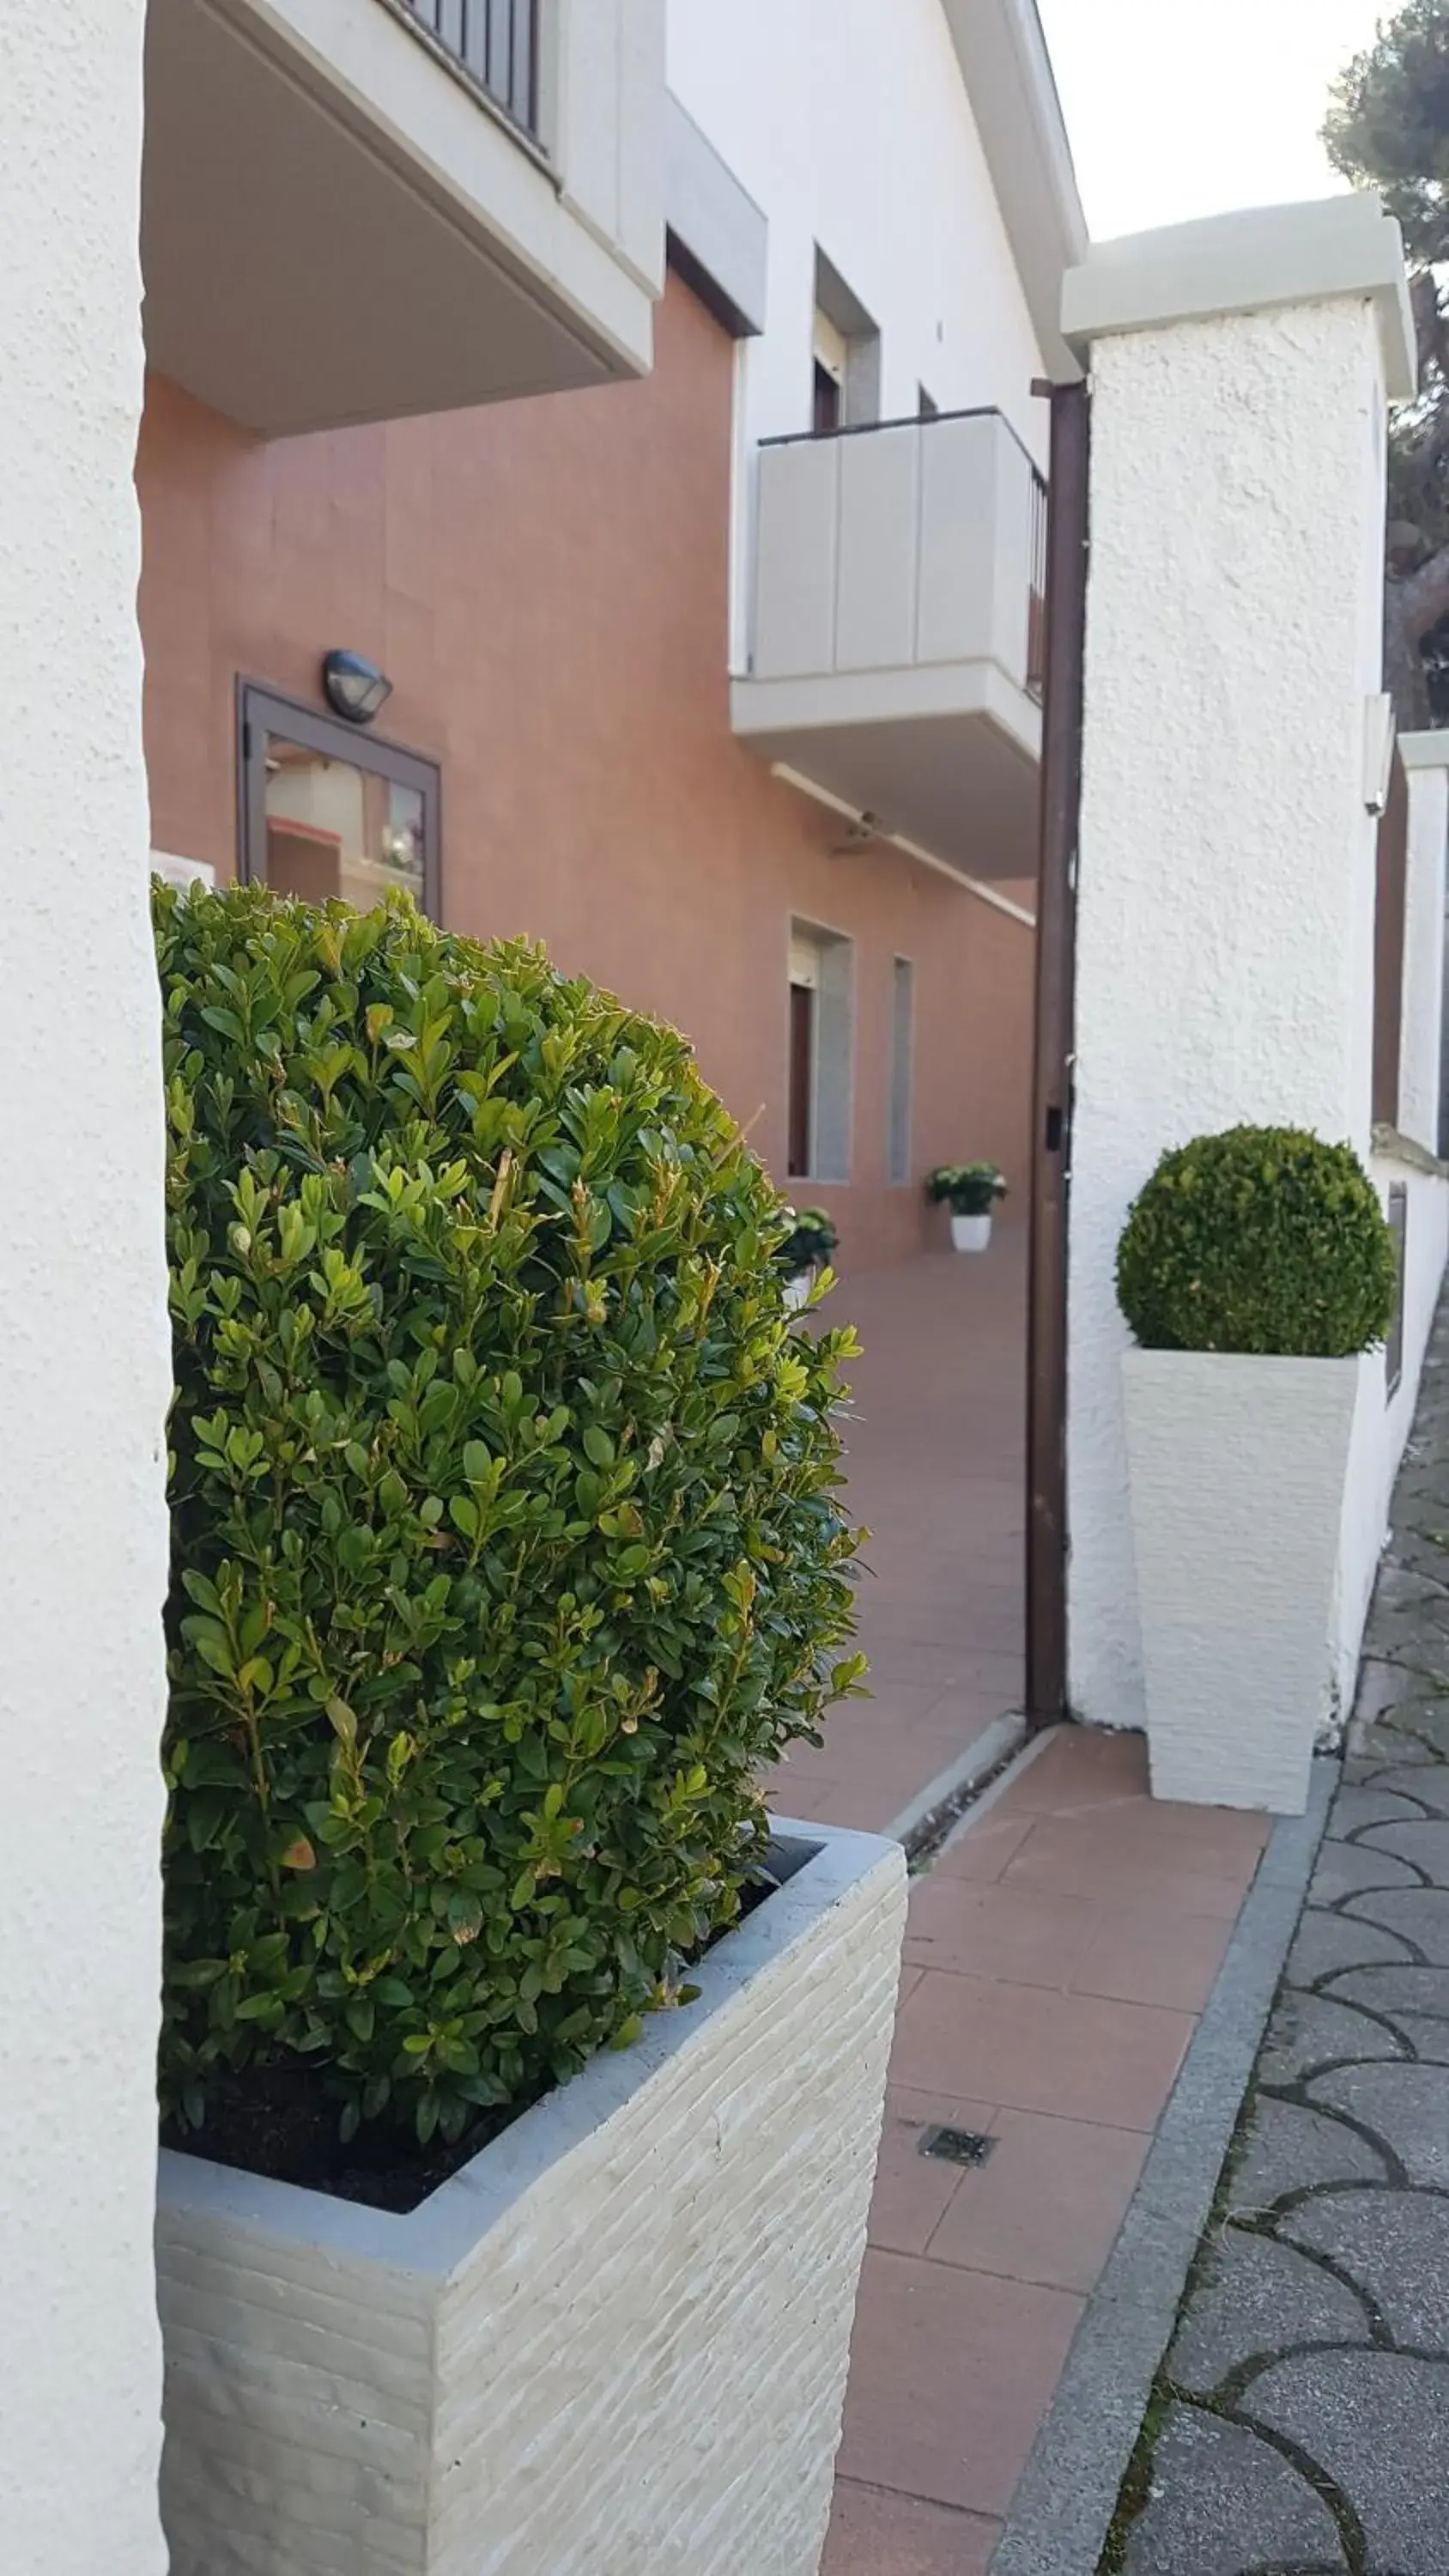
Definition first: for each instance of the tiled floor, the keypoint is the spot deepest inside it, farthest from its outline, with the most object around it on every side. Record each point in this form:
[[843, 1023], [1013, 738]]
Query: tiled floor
[[1058, 1952], [936, 1461], [1057, 1957]]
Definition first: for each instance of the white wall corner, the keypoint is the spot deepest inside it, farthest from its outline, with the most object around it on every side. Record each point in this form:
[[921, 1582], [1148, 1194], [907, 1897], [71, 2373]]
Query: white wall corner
[[181, 872], [1250, 262], [85, 1374]]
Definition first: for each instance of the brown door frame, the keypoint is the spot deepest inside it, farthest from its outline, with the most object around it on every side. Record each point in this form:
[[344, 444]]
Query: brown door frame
[[1061, 789]]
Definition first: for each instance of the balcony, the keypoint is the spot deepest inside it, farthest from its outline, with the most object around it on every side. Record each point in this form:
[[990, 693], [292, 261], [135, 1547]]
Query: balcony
[[899, 625], [357, 209]]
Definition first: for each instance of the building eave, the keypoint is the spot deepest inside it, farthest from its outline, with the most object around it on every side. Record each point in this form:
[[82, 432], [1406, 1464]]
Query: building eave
[[1013, 93]]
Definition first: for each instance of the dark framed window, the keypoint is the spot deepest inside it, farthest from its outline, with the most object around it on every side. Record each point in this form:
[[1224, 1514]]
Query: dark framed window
[[326, 809]]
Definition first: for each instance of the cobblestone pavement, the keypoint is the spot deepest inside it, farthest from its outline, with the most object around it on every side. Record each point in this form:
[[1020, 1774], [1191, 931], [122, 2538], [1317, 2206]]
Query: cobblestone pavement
[[1301, 2425]]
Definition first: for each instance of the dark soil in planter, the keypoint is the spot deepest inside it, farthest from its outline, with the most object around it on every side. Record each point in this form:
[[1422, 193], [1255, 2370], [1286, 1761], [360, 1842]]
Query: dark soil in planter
[[281, 2121]]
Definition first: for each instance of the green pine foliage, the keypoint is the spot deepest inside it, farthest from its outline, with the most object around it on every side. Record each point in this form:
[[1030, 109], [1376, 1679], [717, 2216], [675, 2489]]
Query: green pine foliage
[[507, 1537], [1262, 1239]]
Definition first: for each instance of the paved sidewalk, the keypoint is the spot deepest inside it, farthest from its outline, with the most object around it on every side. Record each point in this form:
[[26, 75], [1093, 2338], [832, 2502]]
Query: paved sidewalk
[[1057, 1957], [1302, 2419], [936, 1461]]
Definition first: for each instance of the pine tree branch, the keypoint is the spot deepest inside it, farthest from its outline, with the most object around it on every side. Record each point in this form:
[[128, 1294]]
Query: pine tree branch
[[1421, 598]]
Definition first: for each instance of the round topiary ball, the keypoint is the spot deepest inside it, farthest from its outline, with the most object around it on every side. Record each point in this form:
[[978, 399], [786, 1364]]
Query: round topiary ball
[[1260, 1239], [507, 1539]]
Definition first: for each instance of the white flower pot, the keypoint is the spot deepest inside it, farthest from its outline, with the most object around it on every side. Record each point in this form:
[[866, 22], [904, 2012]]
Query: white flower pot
[[797, 1290], [616, 2342], [1237, 1468], [970, 1233]]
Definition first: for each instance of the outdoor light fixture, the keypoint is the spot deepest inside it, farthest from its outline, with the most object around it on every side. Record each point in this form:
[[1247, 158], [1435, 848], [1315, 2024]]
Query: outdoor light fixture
[[355, 687]]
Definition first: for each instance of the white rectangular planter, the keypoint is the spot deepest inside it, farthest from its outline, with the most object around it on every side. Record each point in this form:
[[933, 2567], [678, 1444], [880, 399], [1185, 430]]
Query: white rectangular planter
[[1237, 1469], [615, 2344]]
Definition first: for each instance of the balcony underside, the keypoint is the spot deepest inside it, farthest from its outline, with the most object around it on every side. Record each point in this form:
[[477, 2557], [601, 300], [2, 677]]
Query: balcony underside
[[337, 228], [946, 757]]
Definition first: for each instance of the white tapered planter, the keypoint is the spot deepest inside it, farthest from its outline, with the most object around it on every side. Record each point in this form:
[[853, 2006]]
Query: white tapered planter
[[797, 1290], [970, 1233], [615, 2344], [1237, 1468]]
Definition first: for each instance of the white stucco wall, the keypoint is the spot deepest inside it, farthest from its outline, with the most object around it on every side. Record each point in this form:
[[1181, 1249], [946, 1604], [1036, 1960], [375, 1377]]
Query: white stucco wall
[[84, 1362], [821, 108], [1226, 882]]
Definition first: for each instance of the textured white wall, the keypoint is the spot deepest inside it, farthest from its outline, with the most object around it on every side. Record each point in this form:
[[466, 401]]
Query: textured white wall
[[1227, 861], [84, 1359]]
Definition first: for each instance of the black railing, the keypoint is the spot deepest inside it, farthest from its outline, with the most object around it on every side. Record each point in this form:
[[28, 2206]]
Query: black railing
[[496, 43], [1036, 619]]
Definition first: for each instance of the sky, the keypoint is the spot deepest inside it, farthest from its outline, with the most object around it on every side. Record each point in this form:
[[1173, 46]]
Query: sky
[[1177, 109]]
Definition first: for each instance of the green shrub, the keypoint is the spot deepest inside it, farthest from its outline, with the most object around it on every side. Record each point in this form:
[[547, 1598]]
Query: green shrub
[[506, 1534], [969, 1189], [812, 1238], [1261, 1239]]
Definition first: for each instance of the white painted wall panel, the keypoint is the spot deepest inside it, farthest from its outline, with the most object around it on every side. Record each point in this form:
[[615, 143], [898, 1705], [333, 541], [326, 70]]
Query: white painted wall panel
[[1420, 1048], [848, 122], [85, 1355], [880, 509], [799, 524]]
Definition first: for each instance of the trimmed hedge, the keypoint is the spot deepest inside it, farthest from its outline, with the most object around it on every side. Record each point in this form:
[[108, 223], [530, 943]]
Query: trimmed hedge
[[507, 1539], [1262, 1239]]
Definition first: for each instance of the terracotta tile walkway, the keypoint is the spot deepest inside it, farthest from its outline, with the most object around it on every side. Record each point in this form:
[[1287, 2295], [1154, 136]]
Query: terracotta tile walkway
[[1058, 1954], [1059, 1950], [936, 1472]]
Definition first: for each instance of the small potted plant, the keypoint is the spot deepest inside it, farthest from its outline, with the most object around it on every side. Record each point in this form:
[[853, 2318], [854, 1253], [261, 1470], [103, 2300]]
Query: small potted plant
[[806, 1252], [1256, 1269], [971, 1191]]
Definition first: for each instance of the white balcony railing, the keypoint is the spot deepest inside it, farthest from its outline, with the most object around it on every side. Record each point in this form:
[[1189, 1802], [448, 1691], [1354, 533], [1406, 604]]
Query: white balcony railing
[[903, 546]]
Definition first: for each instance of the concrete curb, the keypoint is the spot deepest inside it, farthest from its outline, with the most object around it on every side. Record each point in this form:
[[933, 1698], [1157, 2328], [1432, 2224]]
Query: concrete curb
[[1062, 2511], [985, 1754]]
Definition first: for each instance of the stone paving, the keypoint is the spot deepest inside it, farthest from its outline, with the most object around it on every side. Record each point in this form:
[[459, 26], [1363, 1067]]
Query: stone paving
[[1301, 2425]]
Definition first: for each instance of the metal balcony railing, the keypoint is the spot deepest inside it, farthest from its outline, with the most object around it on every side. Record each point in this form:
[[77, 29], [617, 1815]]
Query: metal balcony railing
[[496, 43], [1036, 626]]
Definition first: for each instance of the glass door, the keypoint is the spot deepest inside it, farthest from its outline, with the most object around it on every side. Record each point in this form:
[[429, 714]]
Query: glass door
[[327, 810]]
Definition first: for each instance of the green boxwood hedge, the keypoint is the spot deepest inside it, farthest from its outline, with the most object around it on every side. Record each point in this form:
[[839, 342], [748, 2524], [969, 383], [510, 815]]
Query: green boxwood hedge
[[507, 1538], [1261, 1239]]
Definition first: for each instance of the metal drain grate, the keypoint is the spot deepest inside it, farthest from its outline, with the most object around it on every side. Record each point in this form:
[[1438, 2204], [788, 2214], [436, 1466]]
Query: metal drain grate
[[957, 2146]]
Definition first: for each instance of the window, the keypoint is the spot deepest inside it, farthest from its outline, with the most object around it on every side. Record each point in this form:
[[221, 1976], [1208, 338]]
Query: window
[[832, 351], [327, 810], [903, 998], [847, 375], [821, 1041]]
